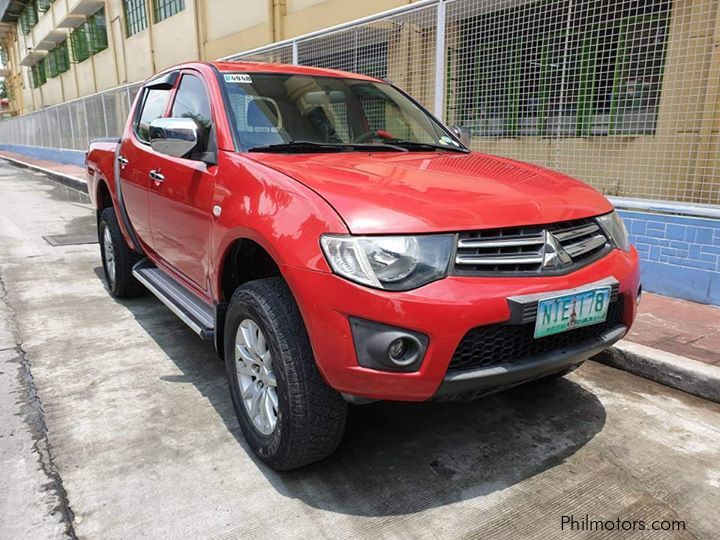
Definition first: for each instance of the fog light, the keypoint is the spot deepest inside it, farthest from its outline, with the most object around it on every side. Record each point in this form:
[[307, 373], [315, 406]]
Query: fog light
[[397, 349], [403, 351]]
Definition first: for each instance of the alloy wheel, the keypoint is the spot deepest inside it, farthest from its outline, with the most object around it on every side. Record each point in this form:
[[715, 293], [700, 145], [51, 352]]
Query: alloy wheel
[[256, 379], [109, 253]]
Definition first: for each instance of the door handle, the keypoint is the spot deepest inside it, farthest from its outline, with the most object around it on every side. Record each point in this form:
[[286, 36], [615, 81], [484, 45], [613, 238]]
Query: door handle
[[156, 176], [122, 160]]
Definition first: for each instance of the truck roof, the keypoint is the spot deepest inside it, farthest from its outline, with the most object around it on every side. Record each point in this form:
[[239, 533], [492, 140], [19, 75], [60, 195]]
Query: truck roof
[[263, 67]]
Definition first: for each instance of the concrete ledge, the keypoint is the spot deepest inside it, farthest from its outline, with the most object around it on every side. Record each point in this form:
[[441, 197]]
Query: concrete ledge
[[691, 376], [65, 179]]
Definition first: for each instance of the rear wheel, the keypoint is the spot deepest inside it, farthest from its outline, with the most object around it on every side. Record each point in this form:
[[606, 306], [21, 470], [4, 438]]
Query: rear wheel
[[117, 257], [289, 415]]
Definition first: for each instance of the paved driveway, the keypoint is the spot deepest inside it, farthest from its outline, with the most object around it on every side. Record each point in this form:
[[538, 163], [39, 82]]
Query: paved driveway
[[116, 423]]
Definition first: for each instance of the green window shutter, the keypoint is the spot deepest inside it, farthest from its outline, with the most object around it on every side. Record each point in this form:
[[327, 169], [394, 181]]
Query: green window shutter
[[32, 13], [42, 71], [44, 5], [79, 43], [24, 22], [97, 27], [52, 63], [63, 58], [38, 74]]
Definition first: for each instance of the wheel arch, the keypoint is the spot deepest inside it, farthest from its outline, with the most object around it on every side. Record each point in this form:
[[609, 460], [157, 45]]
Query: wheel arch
[[244, 260], [103, 196]]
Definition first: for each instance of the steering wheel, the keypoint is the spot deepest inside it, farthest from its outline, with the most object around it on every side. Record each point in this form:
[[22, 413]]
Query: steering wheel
[[379, 133]]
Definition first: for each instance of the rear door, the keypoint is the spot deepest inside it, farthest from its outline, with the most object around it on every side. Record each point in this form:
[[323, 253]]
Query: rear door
[[135, 158], [181, 203]]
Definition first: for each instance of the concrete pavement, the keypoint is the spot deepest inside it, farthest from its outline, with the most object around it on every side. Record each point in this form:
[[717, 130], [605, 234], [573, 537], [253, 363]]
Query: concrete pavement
[[138, 437]]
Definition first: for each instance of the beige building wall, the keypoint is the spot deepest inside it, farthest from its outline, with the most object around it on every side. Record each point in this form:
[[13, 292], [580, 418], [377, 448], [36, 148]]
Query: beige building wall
[[204, 29]]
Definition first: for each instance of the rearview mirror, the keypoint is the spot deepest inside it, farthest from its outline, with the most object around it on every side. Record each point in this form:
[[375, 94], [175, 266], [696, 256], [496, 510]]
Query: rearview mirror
[[463, 134], [175, 137]]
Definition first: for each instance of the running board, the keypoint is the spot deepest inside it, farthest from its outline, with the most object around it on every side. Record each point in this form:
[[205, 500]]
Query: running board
[[189, 308]]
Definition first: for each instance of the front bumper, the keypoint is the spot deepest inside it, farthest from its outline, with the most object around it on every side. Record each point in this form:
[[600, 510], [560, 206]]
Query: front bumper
[[444, 311], [499, 377]]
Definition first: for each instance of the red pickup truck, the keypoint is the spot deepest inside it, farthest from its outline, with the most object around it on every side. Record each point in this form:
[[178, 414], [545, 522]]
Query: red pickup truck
[[339, 244]]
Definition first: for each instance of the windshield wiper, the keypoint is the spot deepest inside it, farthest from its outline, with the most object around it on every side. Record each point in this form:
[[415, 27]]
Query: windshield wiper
[[413, 145], [312, 146]]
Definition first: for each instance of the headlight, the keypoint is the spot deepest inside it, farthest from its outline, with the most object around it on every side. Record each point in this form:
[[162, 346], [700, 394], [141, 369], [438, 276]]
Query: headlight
[[615, 229], [396, 263]]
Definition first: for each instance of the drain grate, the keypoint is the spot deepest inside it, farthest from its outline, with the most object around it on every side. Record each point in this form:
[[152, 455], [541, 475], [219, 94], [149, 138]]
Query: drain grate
[[70, 239]]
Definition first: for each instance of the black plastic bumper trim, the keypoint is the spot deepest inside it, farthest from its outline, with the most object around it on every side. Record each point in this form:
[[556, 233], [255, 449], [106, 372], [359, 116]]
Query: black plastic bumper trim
[[372, 339], [509, 374]]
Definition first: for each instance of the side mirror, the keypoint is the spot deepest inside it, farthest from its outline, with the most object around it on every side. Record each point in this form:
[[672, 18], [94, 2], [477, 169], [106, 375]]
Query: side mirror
[[175, 137], [461, 133]]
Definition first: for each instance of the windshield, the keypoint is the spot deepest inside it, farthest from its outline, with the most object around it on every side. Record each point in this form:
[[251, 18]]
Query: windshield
[[285, 110]]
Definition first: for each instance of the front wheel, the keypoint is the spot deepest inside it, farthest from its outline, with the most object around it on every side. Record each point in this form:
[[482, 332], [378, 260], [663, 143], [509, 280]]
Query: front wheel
[[289, 415]]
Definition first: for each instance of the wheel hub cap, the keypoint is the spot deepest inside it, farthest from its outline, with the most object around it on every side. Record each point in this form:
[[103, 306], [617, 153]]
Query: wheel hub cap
[[258, 387], [109, 252]]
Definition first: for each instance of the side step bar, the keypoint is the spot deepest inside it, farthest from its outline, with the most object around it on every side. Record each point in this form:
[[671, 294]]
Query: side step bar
[[192, 311]]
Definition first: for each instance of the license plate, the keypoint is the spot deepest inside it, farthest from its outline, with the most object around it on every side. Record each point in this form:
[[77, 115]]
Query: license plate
[[562, 313]]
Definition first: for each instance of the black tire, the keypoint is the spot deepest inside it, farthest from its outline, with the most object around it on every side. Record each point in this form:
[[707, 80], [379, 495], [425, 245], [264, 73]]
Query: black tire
[[123, 284], [310, 415]]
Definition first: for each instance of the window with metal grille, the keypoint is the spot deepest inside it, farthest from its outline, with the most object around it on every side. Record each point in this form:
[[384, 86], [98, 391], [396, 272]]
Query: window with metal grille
[[135, 16], [29, 17], [58, 60], [62, 56], [79, 43], [97, 32], [561, 69], [162, 9], [52, 70], [90, 37], [44, 5], [38, 75]]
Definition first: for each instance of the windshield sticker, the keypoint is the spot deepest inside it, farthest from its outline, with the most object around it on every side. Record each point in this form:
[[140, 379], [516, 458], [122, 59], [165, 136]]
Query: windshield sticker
[[238, 78]]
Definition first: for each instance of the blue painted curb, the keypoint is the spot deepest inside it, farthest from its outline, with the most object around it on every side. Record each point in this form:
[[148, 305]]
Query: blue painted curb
[[59, 155]]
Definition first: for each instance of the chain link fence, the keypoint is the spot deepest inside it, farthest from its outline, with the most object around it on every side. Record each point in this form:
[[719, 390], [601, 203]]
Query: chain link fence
[[623, 94]]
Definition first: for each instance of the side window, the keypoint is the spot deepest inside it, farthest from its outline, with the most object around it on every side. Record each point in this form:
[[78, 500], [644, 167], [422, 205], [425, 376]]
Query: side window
[[191, 101], [153, 107]]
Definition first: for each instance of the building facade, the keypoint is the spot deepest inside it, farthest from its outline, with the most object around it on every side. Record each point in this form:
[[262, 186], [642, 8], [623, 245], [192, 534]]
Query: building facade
[[58, 50]]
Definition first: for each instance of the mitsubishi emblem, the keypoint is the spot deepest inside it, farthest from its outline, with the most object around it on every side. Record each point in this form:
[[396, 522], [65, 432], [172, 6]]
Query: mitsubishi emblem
[[553, 253]]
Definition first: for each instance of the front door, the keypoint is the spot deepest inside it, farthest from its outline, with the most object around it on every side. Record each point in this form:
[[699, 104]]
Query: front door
[[135, 158], [180, 192]]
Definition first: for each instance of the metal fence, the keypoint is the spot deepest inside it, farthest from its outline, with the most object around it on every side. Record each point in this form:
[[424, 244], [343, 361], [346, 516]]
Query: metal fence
[[72, 125], [623, 94]]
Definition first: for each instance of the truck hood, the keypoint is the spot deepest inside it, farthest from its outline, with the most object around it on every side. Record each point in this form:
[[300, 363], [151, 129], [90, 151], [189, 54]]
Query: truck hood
[[434, 192]]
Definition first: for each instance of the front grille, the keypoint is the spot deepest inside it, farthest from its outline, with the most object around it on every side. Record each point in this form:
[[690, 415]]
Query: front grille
[[530, 250], [487, 346]]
